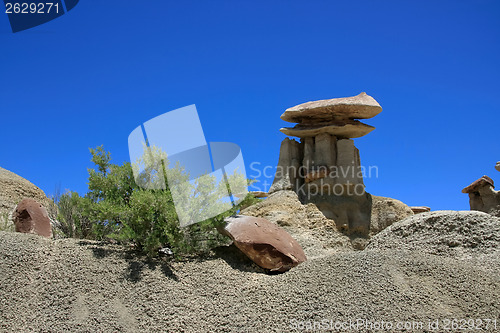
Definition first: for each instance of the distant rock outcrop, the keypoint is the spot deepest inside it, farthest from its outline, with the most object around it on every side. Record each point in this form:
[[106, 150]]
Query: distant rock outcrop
[[497, 166], [14, 188], [483, 197]]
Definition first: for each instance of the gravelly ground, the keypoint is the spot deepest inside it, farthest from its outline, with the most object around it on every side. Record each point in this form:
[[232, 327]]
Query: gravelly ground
[[71, 285]]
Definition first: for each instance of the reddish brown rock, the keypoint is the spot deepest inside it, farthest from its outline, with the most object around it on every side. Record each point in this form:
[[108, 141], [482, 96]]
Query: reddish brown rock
[[474, 187], [420, 209], [268, 245], [30, 217]]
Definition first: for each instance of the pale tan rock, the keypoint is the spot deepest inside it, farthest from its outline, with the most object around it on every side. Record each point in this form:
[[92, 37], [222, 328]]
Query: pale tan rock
[[361, 106], [386, 211], [347, 131], [497, 166]]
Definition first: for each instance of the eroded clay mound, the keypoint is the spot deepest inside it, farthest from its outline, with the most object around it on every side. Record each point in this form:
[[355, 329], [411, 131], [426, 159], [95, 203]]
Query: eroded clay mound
[[14, 188], [461, 234]]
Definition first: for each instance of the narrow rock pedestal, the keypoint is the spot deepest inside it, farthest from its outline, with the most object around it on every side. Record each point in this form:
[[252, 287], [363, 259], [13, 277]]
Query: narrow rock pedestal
[[483, 197]]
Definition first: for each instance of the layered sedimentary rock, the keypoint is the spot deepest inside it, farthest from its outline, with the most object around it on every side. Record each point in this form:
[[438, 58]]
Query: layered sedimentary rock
[[324, 167], [483, 197]]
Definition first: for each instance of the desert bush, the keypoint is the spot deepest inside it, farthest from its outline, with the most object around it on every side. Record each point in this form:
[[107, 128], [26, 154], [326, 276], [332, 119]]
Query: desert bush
[[74, 216], [115, 207]]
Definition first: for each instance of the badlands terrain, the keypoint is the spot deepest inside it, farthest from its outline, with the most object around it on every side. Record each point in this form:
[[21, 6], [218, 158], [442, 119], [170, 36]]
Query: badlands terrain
[[435, 266]]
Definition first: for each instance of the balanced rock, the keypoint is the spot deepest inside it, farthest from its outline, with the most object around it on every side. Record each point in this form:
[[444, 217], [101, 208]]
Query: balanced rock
[[31, 217], [483, 197], [332, 116], [497, 166], [268, 245], [324, 168], [361, 106]]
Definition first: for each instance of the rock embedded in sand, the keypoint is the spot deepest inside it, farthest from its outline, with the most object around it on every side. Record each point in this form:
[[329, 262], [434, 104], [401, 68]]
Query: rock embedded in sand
[[267, 244], [31, 217]]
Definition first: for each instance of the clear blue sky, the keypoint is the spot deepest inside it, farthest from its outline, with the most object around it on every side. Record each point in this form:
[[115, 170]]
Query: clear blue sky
[[93, 75]]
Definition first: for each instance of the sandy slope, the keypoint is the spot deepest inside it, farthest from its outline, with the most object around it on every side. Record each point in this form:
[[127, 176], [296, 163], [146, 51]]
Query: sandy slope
[[72, 285]]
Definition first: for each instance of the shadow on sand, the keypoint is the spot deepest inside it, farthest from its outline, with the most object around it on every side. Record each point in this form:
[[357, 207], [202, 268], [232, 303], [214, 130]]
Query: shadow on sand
[[137, 262]]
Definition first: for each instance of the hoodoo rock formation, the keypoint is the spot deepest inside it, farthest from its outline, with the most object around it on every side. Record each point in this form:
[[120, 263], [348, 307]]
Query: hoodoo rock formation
[[324, 168], [483, 197]]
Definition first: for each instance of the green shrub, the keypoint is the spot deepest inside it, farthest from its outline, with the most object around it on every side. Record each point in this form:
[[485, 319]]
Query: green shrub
[[115, 207]]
